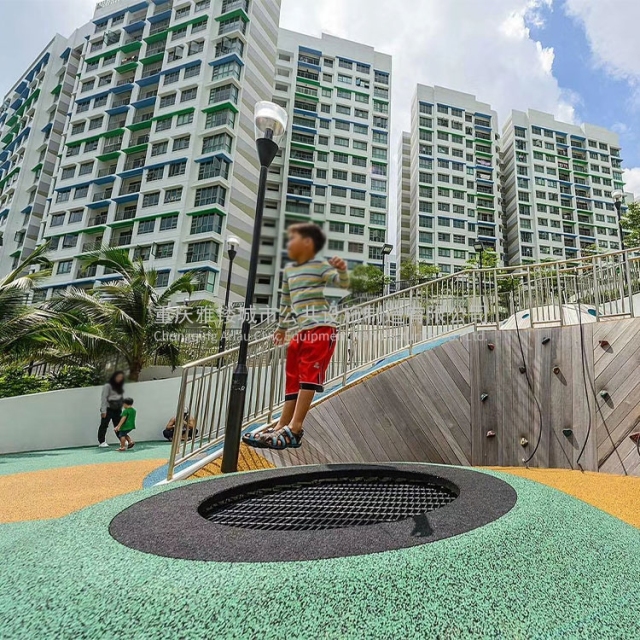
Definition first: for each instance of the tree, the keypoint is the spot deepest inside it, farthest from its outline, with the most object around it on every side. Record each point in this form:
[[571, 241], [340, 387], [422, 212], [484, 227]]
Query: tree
[[130, 311], [489, 260], [367, 278], [21, 325], [631, 225], [414, 273]]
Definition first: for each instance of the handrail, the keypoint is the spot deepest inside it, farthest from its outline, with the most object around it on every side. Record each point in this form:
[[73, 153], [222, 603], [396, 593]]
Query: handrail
[[603, 285]]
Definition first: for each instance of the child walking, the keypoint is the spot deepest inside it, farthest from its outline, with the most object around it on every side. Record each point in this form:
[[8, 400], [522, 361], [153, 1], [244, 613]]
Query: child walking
[[305, 306], [126, 425]]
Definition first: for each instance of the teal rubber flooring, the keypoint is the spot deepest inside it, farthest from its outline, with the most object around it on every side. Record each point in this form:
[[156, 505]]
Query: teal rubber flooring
[[553, 567]]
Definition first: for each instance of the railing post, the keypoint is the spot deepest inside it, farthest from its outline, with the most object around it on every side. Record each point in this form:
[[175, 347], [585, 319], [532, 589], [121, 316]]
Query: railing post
[[596, 295], [560, 294], [275, 363], [411, 321], [496, 308], [177, 432], [627, 272]]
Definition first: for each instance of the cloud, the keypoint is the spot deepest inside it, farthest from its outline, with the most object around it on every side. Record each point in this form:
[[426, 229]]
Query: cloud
[[632, 180]]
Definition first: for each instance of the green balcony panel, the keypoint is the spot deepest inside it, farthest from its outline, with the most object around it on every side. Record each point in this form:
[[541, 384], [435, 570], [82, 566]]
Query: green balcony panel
[[146, 124], [315, 83], [57, 90], [109, 156], [156, 57], [221, 107], [230, 15], [131, 47], [157, 37], [205, 212], [136, 149], [125, 68], [306, 96], [113, 133]]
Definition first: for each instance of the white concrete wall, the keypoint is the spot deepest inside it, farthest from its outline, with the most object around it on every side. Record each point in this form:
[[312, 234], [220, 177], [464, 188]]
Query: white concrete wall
[[70, 418]]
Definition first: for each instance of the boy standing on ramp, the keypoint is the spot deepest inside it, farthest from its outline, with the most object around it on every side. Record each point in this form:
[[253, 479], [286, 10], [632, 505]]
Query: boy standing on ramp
[[304, 305]]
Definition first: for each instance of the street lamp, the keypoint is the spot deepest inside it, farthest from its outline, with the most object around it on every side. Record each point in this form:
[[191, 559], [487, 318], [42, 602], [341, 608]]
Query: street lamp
[[479, 249], [386, 251], [270, 127], [232, 251], [617, 201]]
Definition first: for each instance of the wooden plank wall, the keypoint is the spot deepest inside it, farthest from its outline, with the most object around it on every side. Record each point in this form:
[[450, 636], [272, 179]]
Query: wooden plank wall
[[429, 408], [417, 411], [617, 371]]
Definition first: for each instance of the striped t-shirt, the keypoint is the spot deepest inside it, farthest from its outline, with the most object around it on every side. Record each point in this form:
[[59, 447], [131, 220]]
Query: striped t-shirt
[[303, 300]]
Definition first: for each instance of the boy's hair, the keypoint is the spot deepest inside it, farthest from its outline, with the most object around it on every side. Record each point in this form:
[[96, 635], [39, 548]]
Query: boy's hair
[[128, 401], [310, 230]]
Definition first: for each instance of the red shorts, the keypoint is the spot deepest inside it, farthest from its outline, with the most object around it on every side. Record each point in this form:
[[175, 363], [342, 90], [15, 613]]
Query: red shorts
[[308, 358]]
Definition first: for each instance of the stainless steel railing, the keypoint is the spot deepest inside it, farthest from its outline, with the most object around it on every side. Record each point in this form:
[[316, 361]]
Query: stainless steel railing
[[399, 322]]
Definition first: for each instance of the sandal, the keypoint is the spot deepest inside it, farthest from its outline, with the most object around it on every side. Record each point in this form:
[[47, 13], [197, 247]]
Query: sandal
[[284, 439], [130, 446], [256, 440]]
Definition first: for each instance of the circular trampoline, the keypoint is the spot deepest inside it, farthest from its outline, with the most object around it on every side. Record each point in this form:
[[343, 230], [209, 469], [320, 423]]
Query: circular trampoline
[[312, 513]]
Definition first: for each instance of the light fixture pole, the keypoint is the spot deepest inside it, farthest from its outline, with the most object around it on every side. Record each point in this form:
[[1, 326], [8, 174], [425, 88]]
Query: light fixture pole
[[232, 252], [386, 251], [617, 201], [270, 127], [479, 249]]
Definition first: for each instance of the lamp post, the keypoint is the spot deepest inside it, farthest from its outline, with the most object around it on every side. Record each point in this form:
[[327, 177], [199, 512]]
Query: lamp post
[[386, 251], [479, 249], [270, 127], [617, 201], [232, 252]]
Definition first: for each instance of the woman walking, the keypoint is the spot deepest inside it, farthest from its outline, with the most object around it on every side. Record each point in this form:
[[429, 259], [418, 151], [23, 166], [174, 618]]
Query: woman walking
[[111, 405]]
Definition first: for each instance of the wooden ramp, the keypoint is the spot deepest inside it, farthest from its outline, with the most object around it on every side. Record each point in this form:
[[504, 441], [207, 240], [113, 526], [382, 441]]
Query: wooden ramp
[[430, 408]]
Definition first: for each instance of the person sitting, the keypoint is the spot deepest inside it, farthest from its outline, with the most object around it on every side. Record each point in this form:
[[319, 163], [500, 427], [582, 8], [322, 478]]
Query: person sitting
[[188, 427]]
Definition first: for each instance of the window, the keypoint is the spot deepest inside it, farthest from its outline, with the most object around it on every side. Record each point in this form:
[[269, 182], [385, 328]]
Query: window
[[170, 222], [339, 210], [83, 106], [155, 174], [361, 97], [164, 124], [343, 126], [150, 199], [77, 128], [358, 162], [189, 94], [379, 202], [86, 168], [181, 143], [76, 216], [146, 226], [211, 222], [228, 70], [338, 174], [159, 148], [210, 195], [221, 94], [87, 86], [356, 212], [64, 266], [177, 169], [339, 192], [67, 173], [57, 220], [184, 119], [170, 78], [360, 113], [341, 142], [220, 142], [63, 196], [173, 195], [360, 178], [167, 101], [164, 250], [213, 168], [361, 146]]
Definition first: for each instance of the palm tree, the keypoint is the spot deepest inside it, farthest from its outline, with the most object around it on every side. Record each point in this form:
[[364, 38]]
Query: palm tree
[[21, 325], [131, 312]]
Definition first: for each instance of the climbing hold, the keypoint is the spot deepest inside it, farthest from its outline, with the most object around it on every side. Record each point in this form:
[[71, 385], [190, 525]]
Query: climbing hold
[[491, 346], [484, 397], [546, 340], [491, 434], [523, 442], [567, 433]]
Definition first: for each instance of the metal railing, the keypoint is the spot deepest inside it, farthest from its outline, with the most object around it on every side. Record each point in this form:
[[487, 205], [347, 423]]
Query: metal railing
[[604, 286]]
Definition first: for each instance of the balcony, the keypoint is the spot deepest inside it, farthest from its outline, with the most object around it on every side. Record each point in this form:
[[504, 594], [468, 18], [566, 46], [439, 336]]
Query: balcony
[[127, 80], [152, 51], [134, 164], [142, 117], [232, 5], [151, 72], [108, 171], [229, 47], [159, 26], [87, 272], [99, 219], [92, 246], [122, 240], [127, 213], [133, 187], [121, 103], [110, 148], [103, 195]]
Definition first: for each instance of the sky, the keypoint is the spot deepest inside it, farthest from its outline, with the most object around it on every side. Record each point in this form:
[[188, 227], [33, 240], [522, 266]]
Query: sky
[[577, 59]]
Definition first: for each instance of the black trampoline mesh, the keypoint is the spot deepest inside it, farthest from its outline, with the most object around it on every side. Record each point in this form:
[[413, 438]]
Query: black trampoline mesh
[[329, 503]]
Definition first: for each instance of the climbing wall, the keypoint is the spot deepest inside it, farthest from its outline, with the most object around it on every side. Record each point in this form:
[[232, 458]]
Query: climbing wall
[[487, 398]]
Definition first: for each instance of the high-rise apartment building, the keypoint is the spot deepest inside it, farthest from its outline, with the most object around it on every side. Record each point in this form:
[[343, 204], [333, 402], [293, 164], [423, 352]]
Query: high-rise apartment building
[[159, 155], [405, 252], [32, 120], [334, 168], [454, 195], [558, 181]]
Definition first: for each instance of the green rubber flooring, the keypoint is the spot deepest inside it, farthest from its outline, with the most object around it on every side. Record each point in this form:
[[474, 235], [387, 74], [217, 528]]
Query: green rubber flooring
[[553, 567], [59, 458]]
